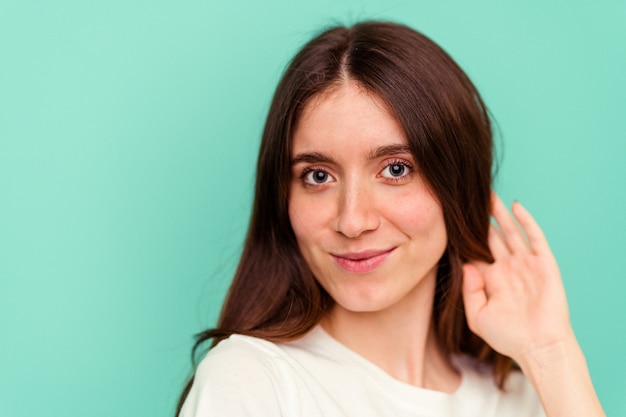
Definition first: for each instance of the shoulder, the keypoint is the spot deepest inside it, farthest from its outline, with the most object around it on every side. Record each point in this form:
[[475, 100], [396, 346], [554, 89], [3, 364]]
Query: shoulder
[[247, 376], [239, 353], [237, 365]]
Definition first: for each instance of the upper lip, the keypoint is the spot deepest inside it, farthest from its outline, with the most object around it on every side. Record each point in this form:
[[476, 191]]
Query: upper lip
[[366, 254]]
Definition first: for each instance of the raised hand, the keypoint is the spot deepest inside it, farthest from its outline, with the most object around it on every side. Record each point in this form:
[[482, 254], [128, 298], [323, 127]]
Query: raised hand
[[517, 304]]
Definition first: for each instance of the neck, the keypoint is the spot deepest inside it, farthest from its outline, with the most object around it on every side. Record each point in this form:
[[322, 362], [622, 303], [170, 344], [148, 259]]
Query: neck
[[400, 339]]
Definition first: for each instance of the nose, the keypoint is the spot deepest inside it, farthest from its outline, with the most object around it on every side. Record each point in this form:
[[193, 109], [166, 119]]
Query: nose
[[357, 212]]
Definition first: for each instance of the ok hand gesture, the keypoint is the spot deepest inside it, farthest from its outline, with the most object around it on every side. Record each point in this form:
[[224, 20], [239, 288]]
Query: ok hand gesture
[[517, 304]]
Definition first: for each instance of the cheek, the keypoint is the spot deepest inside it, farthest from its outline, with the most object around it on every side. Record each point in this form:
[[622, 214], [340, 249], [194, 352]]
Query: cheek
[[304, 218], [420, 214], [413, 204]]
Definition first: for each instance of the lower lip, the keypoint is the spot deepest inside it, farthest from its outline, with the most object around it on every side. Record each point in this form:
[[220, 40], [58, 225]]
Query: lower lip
[[361, 266]]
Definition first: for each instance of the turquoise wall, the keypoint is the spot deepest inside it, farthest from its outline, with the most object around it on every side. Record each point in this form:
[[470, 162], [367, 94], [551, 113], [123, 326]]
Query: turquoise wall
[[128, 133]]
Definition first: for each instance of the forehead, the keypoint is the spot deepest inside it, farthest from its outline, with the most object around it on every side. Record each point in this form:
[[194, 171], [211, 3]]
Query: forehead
[[346, 116]]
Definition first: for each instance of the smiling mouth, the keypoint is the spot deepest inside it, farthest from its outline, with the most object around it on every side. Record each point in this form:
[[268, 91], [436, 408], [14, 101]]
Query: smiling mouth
[[361, 262]]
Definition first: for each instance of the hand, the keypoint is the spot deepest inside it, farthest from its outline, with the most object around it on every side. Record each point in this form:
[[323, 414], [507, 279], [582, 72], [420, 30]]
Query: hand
[[516, 304]]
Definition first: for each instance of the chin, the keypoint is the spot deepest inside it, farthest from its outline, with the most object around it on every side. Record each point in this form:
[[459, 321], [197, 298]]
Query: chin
[[378, 295], [364, 301]]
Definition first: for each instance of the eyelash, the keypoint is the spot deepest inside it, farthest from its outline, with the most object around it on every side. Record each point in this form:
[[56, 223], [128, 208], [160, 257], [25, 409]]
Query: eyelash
[[402, 162], [388, 164], [309, 170]]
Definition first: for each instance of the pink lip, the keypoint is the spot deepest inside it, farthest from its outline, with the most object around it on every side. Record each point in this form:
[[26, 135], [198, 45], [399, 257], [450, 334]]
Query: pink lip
[[361, 262]]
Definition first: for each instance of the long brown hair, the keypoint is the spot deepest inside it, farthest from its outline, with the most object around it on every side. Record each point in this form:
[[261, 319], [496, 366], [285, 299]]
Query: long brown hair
[[274, 295]]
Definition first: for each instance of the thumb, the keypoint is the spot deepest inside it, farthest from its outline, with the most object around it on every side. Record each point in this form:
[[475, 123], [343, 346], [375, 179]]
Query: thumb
[[474, 293]]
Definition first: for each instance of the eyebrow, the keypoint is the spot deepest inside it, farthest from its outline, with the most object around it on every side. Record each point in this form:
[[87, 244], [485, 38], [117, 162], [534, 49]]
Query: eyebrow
[[388, 151], [318, 157], [312, 158]]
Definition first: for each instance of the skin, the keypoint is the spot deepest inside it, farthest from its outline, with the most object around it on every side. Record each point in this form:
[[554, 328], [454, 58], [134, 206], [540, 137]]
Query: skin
[[517, 304], [357, 206], [372, 233]]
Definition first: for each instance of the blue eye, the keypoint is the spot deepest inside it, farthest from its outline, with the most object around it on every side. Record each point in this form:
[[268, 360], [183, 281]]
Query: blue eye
[[317, 177], [395, 170]]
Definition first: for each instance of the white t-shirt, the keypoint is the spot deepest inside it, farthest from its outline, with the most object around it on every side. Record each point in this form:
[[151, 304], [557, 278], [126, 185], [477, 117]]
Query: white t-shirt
[[318, 376]]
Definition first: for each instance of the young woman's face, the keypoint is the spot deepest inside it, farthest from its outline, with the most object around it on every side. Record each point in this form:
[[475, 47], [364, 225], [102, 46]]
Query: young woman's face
[[365, 221]]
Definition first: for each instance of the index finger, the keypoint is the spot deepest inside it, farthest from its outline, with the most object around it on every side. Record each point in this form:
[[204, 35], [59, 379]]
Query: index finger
[[536, 238], [511, 234]]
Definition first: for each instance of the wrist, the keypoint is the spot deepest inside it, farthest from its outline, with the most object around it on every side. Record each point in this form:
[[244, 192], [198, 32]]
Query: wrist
[[540, 360], [558, 372]]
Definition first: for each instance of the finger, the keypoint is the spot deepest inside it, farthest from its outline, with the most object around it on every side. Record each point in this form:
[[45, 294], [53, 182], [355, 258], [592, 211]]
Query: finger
[[498, 248], [511, 233], [474, 293], [536, 238]]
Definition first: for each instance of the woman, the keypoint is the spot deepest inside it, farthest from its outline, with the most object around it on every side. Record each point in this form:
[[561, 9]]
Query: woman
[[371, 281]]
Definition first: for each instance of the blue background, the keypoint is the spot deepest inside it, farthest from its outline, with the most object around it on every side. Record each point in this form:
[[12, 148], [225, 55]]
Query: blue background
[[128, 139]]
